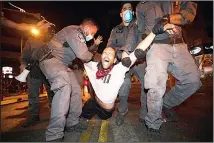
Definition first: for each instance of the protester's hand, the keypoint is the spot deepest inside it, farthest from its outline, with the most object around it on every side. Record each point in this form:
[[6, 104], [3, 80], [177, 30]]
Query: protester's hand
[[98, 40]]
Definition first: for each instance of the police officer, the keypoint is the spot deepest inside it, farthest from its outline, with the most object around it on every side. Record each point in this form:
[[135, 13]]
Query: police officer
[[65, 46], [35, 78], [125, 37], [168, 53]]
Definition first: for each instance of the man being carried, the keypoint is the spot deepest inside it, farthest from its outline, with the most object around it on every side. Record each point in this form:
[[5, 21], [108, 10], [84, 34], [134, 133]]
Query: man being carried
[[107, 77]]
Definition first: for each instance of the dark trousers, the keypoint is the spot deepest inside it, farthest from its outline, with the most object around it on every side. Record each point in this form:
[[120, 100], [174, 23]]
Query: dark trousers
[[91, 108]]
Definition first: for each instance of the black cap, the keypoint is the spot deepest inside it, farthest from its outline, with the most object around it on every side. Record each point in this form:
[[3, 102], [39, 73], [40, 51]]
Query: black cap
[[125, 2]]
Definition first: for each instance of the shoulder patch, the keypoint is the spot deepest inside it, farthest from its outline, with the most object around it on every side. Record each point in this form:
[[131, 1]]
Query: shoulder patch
[[81, 38]]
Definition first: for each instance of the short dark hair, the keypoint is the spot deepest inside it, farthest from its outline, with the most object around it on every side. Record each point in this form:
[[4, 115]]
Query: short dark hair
[[90, 21], [125, 2]]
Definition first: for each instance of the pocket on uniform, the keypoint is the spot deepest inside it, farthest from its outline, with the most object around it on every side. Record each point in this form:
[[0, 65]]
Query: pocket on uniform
[[150, 76], [58, 80]]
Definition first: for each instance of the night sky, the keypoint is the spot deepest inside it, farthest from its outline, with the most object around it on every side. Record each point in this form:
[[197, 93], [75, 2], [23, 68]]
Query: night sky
[[106, 13]]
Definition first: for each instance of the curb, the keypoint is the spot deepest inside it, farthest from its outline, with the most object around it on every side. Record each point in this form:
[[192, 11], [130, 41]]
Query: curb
[[18, 99]]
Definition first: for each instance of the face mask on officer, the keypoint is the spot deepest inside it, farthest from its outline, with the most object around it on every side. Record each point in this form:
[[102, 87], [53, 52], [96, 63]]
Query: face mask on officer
[[88, 35], [127, 16]]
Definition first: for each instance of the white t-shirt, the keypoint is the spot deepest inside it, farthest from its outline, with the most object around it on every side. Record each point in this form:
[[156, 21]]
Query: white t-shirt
[[107, 88]]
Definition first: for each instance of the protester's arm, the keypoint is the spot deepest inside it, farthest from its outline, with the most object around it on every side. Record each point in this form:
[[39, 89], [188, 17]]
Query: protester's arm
[[140, 51], [186, 14]]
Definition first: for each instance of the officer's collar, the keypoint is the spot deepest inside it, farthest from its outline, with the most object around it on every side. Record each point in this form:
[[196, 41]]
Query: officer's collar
[[80, 30]]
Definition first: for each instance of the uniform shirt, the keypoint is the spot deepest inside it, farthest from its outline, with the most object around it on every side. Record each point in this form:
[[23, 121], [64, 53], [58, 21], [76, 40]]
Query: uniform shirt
[[31, 46], [124, 38], [107, 88], [148, 13], [76, 48]]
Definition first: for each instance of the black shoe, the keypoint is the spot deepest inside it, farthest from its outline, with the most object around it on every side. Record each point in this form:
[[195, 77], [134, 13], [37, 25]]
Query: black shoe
[[153, 135], [171, 115], [120, 119], [78, 128], [31, 121], [57, 140]]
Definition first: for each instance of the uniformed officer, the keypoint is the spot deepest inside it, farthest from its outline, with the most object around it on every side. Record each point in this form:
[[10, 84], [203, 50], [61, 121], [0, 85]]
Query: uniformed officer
[[35, 78], [168, 53], [125, 37], [65, 46]]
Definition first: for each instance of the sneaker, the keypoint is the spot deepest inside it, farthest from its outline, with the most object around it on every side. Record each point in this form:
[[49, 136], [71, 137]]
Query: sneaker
[[153, 135], [78, 127], [171, 115], [31, 121], [120, 119]]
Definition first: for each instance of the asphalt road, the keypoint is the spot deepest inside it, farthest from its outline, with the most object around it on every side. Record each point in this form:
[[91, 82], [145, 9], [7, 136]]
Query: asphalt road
[[195, 123]]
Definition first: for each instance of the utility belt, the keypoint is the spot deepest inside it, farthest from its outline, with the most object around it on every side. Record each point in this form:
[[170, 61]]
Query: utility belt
[[169, 41]]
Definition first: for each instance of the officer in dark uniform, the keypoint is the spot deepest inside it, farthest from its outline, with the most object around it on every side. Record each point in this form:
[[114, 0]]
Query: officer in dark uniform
[[65, 46], [125, 37], [35, 78], [168, 53]]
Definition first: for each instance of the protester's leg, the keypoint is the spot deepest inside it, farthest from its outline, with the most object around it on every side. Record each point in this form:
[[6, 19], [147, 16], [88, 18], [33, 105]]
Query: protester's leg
[[59, 79], [188, 75], [103, 113], [33, 101], [89, 110], [156, 76], [139, 72], [123, 99]]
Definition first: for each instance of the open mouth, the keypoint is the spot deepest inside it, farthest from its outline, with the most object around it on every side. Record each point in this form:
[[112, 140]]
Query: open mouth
[[105, 62]]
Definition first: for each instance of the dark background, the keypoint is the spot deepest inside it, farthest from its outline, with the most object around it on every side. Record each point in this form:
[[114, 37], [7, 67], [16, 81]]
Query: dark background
[[106, 13]]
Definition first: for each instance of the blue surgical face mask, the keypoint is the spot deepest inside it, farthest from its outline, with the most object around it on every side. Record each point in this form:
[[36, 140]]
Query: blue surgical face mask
[[127, 16], [89, 37]]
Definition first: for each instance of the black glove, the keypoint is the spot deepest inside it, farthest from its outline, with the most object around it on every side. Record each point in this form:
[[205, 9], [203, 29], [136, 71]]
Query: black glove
[[159, 26], [140, 54], [126, 62]]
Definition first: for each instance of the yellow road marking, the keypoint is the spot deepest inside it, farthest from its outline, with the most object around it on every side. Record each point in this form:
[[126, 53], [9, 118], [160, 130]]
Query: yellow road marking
[[85, 135], [103, 137]]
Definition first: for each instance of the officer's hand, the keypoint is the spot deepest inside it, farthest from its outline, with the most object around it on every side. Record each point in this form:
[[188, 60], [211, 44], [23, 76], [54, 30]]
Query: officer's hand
[[161, 26], [140, 54], [98, 40], [126, 62]]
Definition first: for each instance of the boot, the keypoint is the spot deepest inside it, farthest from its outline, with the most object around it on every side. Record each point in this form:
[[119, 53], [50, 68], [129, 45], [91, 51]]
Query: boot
[[31, 121]]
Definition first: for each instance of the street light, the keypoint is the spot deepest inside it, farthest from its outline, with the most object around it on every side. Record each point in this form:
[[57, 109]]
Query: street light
[[35, 31]]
